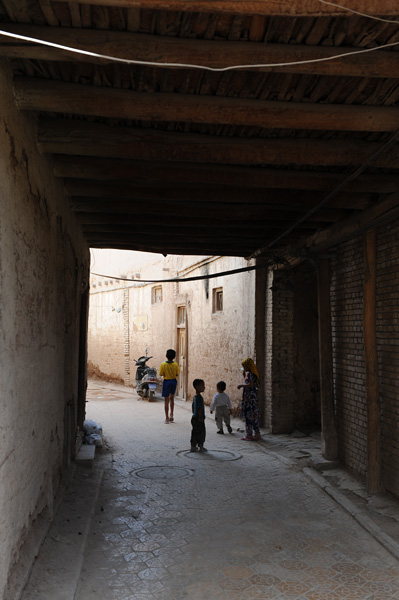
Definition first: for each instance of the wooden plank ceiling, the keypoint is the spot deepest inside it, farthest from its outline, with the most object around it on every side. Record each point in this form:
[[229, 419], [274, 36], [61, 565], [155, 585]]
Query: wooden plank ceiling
[[184, 160]]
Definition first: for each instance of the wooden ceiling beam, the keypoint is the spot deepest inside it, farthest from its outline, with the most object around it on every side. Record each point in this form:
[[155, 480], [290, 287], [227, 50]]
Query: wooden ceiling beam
[[141, 173], [225, 231], [123, 222], [215, 54], [125, 209], [384, 212], [299, 8], [76, 137], [145, 245], [209, 195], [200, 245], [138, 212], [70, 98], [180, 237]]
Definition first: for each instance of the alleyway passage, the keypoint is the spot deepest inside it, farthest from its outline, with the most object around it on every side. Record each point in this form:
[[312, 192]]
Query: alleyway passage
[[235, 523]]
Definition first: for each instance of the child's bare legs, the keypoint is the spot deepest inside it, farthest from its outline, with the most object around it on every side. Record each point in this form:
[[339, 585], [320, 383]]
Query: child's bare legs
[[169, 404], [172, 406], [166, 404]]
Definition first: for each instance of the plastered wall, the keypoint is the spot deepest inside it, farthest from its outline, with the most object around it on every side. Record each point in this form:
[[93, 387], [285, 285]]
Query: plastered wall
[[43, 271]]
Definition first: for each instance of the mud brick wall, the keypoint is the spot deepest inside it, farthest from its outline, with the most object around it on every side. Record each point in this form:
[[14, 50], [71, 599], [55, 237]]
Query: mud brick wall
[[292, 362], [44, 273], [388, 351], [281, 386], [348, 353], [268, 350], [306, 348]]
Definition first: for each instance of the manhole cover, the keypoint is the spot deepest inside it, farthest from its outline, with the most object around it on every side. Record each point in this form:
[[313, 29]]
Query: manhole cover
[[217, 455], [163, 473]]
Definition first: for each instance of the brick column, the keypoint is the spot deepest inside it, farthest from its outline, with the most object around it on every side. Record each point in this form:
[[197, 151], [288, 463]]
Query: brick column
[[126, 337], [260, 333], [281, 385]]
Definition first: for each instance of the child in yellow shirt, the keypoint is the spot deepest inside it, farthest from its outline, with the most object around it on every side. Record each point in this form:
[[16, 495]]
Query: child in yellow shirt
[[169, 370]]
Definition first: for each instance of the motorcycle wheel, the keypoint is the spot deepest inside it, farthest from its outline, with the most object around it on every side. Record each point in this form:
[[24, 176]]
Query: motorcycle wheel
[[151, 396]]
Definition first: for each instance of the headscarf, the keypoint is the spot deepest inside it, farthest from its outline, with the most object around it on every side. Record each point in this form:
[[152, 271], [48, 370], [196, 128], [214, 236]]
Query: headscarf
[[250, 366]]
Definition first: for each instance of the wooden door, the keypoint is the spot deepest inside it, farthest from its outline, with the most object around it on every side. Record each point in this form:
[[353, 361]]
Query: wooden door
[[181, 350]]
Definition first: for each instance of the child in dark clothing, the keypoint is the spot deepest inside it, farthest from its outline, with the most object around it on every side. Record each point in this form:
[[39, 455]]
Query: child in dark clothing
[[198, 419]]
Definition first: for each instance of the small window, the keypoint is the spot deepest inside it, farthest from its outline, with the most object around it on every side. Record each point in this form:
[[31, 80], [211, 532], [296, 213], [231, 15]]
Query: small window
[[156, 295], [217, 300], [181, 316]]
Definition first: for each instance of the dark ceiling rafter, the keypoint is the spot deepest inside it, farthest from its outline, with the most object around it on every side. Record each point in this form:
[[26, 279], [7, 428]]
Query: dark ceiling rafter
[[168, 174], [301, 8], [216, 54], [60, 97], [78, 137]]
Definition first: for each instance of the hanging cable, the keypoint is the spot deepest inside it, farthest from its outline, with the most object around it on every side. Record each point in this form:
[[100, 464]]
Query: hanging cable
[[357, 12], [195, 278], [131, 61]]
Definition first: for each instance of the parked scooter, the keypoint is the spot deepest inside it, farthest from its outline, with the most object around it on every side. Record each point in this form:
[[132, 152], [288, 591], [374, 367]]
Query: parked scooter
[[146, 378]]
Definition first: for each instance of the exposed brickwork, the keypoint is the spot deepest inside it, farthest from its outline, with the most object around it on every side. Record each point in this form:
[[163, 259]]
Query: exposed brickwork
[[282, 383], [348, 353], [126, 337], [306, 347], [292, 371], [348, 350], [388, 351], [268, 350]]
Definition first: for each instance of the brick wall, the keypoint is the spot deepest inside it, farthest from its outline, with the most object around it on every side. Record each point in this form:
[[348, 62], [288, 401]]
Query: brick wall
[[282, 383], [388, 351], [292, 361], [306, 348], [348, 353], [268, 350]]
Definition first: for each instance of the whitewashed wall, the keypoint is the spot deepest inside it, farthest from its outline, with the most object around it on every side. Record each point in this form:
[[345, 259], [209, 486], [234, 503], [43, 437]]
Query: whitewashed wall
[[44, 266]]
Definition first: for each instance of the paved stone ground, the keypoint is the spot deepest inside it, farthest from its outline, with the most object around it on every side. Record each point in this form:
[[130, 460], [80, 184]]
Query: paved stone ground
[[240, 522]]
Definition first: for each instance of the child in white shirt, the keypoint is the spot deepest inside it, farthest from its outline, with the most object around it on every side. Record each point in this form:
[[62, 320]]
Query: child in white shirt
[[221, 402]]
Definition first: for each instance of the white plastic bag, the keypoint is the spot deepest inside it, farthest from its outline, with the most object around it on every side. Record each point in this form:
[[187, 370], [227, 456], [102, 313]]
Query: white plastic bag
[[93, 433], [94, 439], [91, 426]]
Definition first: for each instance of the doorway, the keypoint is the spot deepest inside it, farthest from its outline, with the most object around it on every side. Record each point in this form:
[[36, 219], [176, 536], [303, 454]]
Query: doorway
[[182, 351]]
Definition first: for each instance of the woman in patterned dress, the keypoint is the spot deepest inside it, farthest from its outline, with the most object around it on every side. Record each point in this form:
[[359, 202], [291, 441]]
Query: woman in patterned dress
[[249, 403]]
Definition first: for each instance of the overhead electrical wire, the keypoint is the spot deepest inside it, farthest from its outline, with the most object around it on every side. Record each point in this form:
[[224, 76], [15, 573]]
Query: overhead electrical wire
[[148, 63], [132, 61], [183, 279], [357, 12]]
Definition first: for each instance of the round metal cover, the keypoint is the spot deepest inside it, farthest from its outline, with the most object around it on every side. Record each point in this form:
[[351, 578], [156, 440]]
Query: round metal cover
[[163, 473], [214, 455]]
